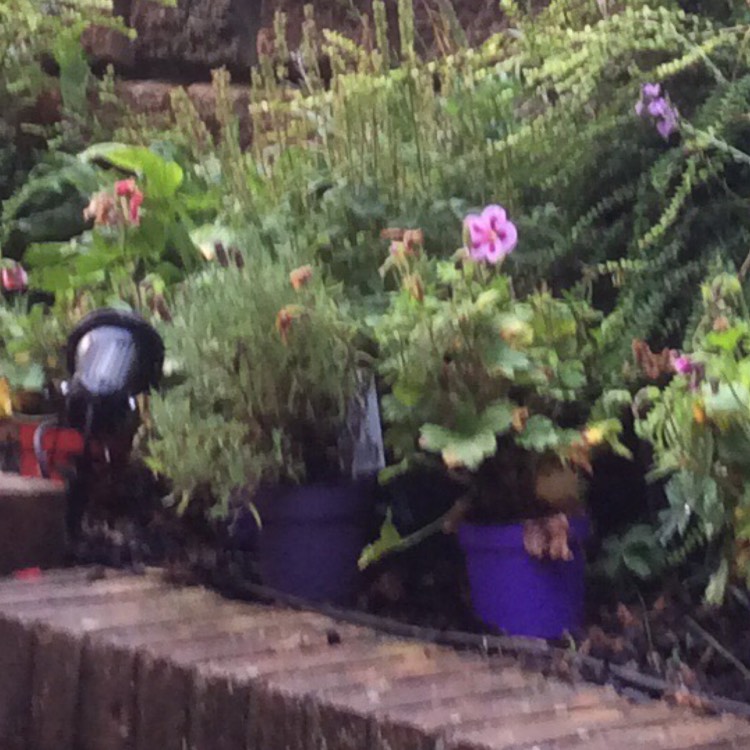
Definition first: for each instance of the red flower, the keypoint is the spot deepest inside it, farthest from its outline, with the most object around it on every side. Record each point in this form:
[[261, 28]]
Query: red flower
[[136, 201], [15, 278], [132, 199], [125, 188]]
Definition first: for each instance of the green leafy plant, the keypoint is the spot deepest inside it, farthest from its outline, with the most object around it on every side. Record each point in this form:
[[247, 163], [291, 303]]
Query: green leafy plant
[[49, 114], [49, 205], [542, 114], [267, 364], [140, 240], [637, 553], [32, 343], [494, 384], [699, 428]]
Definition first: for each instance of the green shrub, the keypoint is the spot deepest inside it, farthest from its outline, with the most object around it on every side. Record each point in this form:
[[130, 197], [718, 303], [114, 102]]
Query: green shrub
[[31, 347], [699, 429], [134, 238], [543, 115], [266, 374], [33, 35], [493, 383]]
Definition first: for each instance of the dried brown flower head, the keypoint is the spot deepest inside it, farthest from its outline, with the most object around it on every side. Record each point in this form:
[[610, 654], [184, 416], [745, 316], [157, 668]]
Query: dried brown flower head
[[300, 277]]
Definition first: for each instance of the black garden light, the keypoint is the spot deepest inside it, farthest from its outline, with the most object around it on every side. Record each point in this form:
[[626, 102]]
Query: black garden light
[[113, 356]]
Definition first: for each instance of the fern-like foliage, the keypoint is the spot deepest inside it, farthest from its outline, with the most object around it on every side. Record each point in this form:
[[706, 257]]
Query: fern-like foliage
[[540, 118]]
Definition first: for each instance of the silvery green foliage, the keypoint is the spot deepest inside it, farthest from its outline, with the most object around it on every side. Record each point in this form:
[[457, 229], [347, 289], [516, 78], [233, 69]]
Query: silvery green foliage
[[263, 380]]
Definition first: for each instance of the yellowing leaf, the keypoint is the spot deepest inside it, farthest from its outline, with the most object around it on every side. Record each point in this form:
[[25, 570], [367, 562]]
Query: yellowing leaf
[[6, 404], [388, 541], [487, 298], [593, 436], [452, 459], [208, 250]]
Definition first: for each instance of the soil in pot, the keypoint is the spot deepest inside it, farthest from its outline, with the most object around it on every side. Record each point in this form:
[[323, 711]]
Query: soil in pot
[[517, 593]]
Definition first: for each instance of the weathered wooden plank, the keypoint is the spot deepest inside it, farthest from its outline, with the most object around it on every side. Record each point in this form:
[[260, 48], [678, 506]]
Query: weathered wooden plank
[[610, 728], [173, 693], [20, 611], [106, 717], [32, 523], [15, 684], [130, 663]]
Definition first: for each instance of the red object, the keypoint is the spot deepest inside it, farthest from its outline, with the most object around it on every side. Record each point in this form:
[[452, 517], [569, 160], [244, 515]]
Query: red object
[[125, 188], [14, 278], [128, 189], [136, 201], [28, 574], [62, 446]]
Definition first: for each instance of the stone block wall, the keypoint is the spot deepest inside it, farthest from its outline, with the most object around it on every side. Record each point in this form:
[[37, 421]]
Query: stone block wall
[[181, 43]]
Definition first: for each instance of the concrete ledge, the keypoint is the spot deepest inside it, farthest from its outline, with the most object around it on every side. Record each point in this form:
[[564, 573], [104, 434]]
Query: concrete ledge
[[125, 662]]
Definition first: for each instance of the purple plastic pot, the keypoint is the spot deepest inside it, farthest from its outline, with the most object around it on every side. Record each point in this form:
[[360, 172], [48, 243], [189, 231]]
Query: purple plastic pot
[[312, 537], [517, 593]]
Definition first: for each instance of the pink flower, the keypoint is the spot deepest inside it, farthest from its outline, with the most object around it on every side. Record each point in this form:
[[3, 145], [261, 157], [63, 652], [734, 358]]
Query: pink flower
[[14, 278], [103, 210], [491, 236], [682, 364]]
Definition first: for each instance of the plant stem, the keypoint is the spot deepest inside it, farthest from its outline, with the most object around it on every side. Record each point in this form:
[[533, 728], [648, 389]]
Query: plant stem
[[728, 655], [744, 268], [412, 540]]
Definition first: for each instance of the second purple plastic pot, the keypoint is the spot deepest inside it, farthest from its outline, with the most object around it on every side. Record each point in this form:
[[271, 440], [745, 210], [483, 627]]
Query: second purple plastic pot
[[517, 593], [312, 537]]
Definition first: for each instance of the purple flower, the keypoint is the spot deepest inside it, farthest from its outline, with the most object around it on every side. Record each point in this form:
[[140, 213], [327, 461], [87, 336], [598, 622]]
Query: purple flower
[[668, 124], [657, 108], [490, 235], [649, 92]]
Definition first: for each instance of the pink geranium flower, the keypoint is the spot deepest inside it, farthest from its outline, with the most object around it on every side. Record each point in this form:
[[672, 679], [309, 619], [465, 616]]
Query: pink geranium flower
[[125, 188], [14, 278], [128, 191], [682, 364], [136, 201], [490, 235]]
